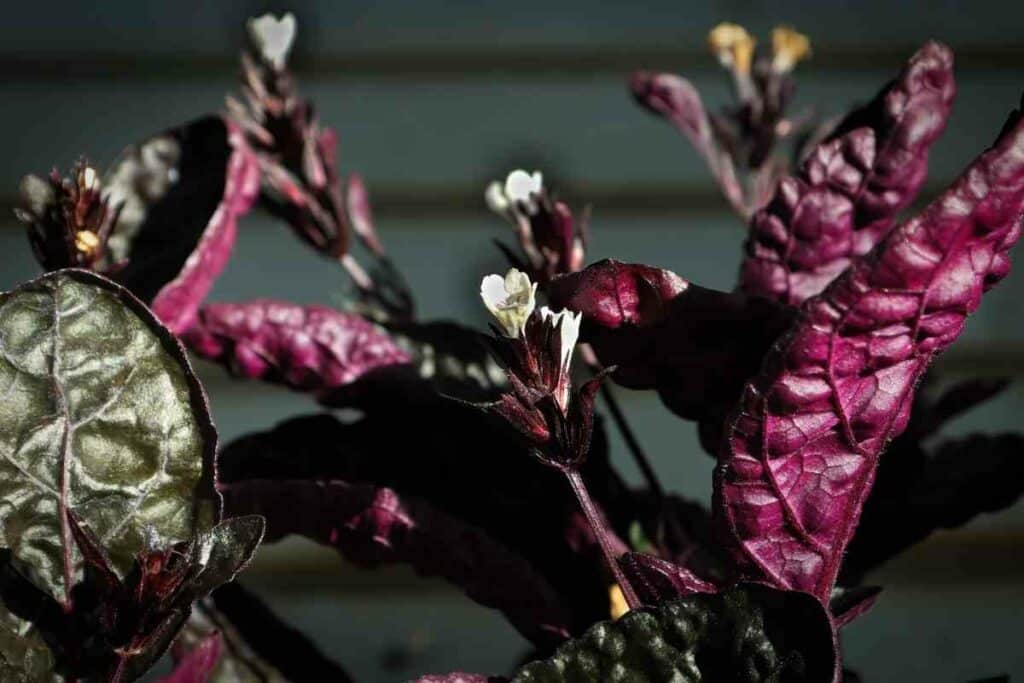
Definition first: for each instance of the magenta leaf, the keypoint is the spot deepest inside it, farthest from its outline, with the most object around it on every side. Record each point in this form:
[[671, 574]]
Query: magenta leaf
[[846, 195], [657, 580], [181, 194], [696, 346], [310, 348], [197, 665], [801, 452], [372, 525], [460, 677]]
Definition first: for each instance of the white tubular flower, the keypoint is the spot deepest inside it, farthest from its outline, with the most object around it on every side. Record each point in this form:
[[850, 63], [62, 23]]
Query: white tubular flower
[[510, 299], [273, 37], [519, 188], [568, 324]]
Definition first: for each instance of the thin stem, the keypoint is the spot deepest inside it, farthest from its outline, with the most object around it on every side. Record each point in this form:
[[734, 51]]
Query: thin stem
[[601, 532]]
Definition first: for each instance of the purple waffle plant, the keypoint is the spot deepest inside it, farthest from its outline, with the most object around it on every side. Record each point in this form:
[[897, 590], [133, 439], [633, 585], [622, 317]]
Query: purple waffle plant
[[483, 459]]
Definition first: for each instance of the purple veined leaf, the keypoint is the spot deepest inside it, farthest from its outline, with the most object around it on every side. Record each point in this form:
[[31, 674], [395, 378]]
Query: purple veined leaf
[[696, 346], [464, 464], [800, 455], [181, 194], [657, 580], [197, 665], [372, 525], [310, 348], [847, 193]]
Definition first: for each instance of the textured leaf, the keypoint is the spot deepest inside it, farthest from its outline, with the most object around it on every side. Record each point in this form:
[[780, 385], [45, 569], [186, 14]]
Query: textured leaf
[[460, 677], [656, 580], [801, 452], [750, 633], [696, 346], [846, 195], [462, 463], [962, 479], [311, 348], [102, 417], [197, 665], [290, 654], [373, 525], [181, 195]]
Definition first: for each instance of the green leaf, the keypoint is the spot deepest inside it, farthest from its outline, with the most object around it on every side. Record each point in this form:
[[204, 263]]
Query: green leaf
[[101, 416], [23, 654], [746, 634]]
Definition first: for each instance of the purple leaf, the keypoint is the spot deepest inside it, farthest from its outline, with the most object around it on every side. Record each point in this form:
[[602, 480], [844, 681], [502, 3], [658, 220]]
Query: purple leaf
[[196, 665], [696, 346], [310, 348], [181, 194], [676, 100], [800, 455], [657, 580], [847, 604], [847, 193], [373, 525]]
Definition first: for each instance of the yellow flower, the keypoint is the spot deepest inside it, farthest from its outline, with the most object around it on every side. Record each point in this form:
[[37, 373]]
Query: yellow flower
[[617, 601], [789, 47], [733, 46], [86, 242]]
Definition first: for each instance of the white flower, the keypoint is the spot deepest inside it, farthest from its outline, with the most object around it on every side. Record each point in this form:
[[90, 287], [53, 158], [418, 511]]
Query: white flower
[[568, 324], [519, 188], [510, 299], [273, 37]]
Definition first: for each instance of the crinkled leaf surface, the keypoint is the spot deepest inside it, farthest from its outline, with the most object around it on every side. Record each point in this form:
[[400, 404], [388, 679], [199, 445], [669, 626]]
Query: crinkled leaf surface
[[182, 193], [310, 348], [102, 416], [801, 452], [846, 195], [373, 525], [696, 346], [749, 633]]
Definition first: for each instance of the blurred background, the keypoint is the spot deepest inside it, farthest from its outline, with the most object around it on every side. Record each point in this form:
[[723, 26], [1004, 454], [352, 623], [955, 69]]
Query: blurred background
[[432, 100]]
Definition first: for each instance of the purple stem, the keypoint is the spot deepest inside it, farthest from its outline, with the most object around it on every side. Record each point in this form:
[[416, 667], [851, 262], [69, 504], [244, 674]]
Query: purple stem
[[601, 532]]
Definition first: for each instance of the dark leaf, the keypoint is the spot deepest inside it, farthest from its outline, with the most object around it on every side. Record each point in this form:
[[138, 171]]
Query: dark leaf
[[696, 346], [103, 418], [849, 603], [181, 194], [460, 677], [461, 462], [846, 195], [276, 643], [374, 525], [750, 633], [962, 479], [801, 452], [657, 580]]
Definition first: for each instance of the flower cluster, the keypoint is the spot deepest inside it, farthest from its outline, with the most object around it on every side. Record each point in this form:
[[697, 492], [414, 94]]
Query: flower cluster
[[740, 139], [536, 347], [299, 165], [69, 220], [551, 241]]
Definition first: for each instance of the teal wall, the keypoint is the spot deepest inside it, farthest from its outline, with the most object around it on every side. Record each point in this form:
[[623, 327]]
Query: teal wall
[[433, 99]]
